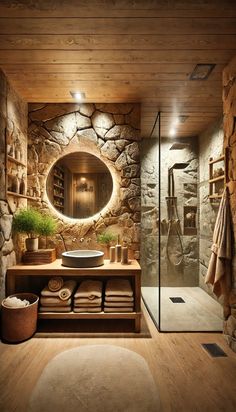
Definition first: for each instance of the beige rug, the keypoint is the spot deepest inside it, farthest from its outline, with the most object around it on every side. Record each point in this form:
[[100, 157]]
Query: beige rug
[[97, 378]]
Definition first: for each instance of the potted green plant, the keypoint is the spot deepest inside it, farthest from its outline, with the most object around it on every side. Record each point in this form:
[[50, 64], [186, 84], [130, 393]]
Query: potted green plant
[[47, 226], [106, 238], [27, 221]]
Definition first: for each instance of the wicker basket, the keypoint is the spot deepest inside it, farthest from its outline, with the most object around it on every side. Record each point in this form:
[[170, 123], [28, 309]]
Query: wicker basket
[[19, 324]]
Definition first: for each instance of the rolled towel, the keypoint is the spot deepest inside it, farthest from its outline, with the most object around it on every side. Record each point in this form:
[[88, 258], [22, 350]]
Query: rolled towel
[[118, 309], [119, 304], [118, 287], [119, 299], [87, 309], [55, 283], [55, 309], [90, 289], [97, 301], [14, 302], [48, 301], [67, 290]]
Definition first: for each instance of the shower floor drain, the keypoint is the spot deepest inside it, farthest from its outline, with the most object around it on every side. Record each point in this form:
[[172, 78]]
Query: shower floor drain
[[177, 299], [214, 350]]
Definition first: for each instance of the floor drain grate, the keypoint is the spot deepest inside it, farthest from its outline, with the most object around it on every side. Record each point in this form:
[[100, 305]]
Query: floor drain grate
[[214, 350], [177, 299]]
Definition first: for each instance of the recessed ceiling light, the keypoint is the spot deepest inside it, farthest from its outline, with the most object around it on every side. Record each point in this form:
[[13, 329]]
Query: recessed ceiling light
[[201, 71], [172, 132], [78, 95]]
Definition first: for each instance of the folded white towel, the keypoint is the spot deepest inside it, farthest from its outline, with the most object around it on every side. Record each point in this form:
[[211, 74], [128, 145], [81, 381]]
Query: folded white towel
[[119, 299], [64, 293], [98, 301], [89, 305], [119, 304], [118, 287], [118, 309], [48, 301], [90, 289], [55, 309], [92, 310]]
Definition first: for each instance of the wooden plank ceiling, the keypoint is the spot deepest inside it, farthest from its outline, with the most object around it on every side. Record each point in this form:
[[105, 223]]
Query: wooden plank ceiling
[[121, 51]]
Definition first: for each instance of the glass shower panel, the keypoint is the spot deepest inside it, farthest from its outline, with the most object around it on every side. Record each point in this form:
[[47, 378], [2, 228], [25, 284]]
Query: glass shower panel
[[149, 225]]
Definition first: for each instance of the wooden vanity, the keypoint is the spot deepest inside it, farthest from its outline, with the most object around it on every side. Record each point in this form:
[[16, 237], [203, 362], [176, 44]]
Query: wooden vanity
[[32, 278]]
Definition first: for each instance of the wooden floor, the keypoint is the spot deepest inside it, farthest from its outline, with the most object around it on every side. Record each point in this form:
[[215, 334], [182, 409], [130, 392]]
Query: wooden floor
[[188, 379]]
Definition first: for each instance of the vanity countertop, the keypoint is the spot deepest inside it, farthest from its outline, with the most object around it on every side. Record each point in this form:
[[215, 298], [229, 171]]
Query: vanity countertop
[[56, 266]]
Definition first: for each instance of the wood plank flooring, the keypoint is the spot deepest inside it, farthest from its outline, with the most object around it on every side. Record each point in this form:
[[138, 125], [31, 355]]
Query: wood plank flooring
[[187, 378]]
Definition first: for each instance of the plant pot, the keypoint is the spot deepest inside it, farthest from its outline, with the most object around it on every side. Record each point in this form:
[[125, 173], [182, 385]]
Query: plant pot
[[32, 244]]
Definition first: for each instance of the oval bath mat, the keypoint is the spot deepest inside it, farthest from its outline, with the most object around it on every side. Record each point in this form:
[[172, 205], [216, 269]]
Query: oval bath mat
[[96, 378]]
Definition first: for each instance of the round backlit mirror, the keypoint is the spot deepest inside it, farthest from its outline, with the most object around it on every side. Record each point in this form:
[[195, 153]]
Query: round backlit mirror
[[79, 185]]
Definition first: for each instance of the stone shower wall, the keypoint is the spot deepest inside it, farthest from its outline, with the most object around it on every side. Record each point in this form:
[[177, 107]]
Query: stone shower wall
[[210, 145], [186, 181], [110, 132], [229, 106], [13, 123]]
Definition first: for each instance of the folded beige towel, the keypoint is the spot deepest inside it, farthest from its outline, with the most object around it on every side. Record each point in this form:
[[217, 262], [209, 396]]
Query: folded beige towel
[[119, 299], [64, 293], [55, 309], [118, 309], [119, 304], [48, 301], [68, 288], [91, 310], [90, 289], [89, 305], [98, 301], [55, 283], [118, 287]]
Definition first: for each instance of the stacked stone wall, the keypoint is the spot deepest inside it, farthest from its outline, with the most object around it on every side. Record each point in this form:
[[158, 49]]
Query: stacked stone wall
[[112, 133], [13, 125], [229, 106]]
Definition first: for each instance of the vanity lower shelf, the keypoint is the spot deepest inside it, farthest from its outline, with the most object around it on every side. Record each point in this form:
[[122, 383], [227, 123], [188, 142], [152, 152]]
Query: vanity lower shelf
[[85, 315]]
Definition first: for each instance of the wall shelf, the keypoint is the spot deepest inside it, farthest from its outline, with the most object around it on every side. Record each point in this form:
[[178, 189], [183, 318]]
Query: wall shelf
[[58, 192], [9, 193]]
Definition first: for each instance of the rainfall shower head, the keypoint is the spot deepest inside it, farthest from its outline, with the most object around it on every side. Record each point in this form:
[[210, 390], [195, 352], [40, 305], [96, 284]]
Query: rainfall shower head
[[178, 166], [179, 146]]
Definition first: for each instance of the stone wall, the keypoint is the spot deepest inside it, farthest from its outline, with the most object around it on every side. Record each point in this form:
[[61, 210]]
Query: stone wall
[[210, 145], [185, 274], [13, 124], [110, 132], [229, 108]]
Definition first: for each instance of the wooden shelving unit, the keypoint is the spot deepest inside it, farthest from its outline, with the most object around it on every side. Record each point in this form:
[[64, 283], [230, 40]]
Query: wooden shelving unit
[[218, 182], [34, 278], [58, 188]]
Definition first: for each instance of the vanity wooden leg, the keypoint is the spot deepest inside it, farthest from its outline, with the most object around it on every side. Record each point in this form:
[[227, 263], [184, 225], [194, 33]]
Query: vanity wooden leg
[[10, 284], [138, 323]]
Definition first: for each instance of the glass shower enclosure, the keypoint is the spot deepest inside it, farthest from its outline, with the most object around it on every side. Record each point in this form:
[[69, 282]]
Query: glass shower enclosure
[[172, 236]]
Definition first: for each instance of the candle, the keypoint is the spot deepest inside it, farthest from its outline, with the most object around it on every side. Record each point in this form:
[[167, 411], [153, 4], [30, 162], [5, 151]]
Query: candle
[[112, 254], [124, 255]]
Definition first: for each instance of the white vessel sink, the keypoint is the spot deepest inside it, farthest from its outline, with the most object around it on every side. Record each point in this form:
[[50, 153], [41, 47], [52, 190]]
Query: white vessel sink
[[82, 258]]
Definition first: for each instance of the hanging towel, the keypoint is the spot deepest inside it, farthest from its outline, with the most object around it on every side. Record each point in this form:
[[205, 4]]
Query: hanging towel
[[218, 273]]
